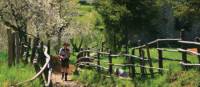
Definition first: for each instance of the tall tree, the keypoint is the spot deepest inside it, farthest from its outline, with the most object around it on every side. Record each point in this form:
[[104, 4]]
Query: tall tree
[[186, 12], [15, 14], [125, 18], [47, 18]]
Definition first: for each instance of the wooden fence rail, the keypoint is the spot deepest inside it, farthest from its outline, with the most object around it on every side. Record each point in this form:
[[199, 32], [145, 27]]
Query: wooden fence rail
[[145, 59], [41, 70], [20, 51]]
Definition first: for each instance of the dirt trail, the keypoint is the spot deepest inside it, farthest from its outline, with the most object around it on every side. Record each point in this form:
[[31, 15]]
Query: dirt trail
[[57, 82]]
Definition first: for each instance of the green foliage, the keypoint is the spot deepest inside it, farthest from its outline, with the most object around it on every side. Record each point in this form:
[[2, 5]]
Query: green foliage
[[18, 73], [90, 24], [186, 12], [3, 56], [179, 78], [184, 78], [125, 18], [13, 75], [93, 79]]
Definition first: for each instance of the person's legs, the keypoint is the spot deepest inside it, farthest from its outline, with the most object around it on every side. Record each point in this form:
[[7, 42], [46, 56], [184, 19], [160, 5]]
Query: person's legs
[[66, 67], [63, 73], [66, 76], [62, 69]]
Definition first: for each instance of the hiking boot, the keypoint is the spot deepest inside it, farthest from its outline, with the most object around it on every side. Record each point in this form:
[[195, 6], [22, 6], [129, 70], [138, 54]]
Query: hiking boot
[[62, 75], [65, 76]]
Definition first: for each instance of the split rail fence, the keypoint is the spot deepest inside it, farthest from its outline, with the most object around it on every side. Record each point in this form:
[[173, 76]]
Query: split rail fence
[[145, 61], [31, 51]]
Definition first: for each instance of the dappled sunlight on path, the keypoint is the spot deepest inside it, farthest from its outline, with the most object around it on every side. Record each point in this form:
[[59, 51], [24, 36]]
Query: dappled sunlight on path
[[57, 82]]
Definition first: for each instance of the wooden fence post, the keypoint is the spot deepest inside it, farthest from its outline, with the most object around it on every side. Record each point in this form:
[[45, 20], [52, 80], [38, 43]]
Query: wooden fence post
[[88, 53], [133, 66], [29, 42], [127, 53], [142, 63], [37, 69], [17, 50], [41, 57], [84, 53], [160, 61], [13, 48], [49, 46], [98, 61], [127, 59], [27, 50], [198, 50], [129, 67], [149, 60], [10, 50], [50, 63], [34, 48], [21, 49], [184, 54], [102, 46], [110, 62], [157, 44], [141, 54]]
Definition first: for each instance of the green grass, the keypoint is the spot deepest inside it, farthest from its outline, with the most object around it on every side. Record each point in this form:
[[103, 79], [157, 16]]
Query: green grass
[[73, 58], [174, 77], [179, 79], [91, 16], [84, 9], [91, 23], [3, 56], [92, 79], [173, 65], [15, 74]]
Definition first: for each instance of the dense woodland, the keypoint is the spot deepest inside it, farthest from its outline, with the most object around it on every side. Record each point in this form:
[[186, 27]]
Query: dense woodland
[[130, 20], [114, 22]]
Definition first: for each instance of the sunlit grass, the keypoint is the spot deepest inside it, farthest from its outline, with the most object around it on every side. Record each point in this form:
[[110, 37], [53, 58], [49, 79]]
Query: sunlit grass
[[175, 76], [91, 78], [19, 72]]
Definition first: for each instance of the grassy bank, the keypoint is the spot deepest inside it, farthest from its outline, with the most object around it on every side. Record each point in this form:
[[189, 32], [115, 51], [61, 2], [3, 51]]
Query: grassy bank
[[18, 73], [179, 79]]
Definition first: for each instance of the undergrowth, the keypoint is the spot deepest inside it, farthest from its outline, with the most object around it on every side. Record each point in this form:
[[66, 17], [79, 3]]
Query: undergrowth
[[18, 73], [91, 78]]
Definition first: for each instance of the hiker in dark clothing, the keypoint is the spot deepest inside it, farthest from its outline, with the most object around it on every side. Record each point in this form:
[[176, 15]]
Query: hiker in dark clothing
[[64, 55]]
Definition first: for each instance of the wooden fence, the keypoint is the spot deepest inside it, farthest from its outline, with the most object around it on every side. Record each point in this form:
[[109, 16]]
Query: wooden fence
[[35, 52], [145, 61], [38, 54]]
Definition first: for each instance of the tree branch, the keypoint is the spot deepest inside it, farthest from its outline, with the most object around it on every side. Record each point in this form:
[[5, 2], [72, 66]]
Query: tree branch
[[10, 25]]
